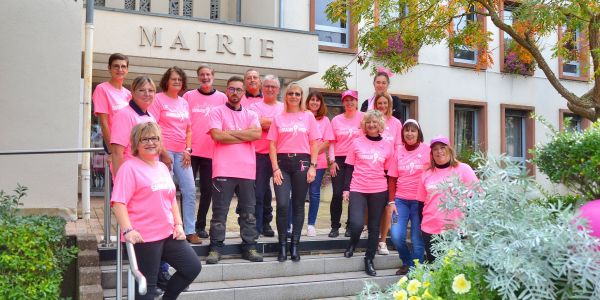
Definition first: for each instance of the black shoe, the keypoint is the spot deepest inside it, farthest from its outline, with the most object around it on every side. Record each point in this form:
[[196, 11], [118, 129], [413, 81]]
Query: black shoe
[[267, 230], [202, 234], [369, 267], [282, 255], [348, 233], [334, 233], [162, 279], [252, 255], [294, 253], [349, 251]]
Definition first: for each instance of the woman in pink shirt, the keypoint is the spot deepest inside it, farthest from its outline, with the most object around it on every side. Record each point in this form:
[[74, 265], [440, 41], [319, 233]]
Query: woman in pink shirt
[[404, 176], [293, 152], [173, 116], [365, 184], [391, 134], [316, 105], [346, 128], [444, 167], [144, 204]]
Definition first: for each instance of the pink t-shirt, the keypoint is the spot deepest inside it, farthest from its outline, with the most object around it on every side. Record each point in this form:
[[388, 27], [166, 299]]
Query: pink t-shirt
[[326, 135], [108, 100], [408, 166], [345, 131], [264, 110], [233, 160], [370, 160], [393, 131], [294, 131], [435, 220], [123, 122], [173, 117], [247, 101], [149, 193], [200, 106]]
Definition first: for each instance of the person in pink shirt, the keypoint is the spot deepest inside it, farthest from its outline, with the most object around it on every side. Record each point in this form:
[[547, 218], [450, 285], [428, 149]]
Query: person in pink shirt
[[346, 128], [201, 101], [173, 116], [293, 151], [316, 104], [411, 159], [444, 167], [365, 184], [252, 84], [234, 129], [134, 113], [110, 97], [391, 134], [144, 203], [266, 110]]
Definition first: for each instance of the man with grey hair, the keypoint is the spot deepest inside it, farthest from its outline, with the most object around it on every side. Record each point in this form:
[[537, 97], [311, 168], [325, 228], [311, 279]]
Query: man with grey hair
[[252, 84], [266, 110]]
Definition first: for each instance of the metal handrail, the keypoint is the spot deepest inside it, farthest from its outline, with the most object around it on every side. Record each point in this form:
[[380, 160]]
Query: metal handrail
[[134, 274]]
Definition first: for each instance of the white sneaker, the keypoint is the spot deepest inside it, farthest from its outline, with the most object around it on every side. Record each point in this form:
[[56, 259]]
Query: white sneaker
[[382, 249], [311, 231]]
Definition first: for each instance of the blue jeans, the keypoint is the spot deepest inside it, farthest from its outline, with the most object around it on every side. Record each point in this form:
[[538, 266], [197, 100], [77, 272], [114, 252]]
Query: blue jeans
[[185, 179], [314, 192], [408, 210]]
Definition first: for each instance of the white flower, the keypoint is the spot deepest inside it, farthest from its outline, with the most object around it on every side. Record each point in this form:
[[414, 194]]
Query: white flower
[[460, 284]]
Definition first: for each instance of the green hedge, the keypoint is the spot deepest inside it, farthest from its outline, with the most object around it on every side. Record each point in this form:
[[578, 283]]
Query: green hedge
[[33, 252]]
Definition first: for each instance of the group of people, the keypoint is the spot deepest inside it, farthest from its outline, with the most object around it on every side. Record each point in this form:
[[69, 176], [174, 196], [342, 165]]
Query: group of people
[[240, 140]]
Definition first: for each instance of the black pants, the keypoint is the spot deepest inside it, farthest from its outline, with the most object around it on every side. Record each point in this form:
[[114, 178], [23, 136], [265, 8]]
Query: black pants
[[294, 170], [223, 189], [427, 240], [178, 254], [337, 182], [264, 172], [375, 204], [204, 166]]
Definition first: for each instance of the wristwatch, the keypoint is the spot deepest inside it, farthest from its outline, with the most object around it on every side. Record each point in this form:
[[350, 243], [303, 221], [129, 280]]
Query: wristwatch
[[188, 150]]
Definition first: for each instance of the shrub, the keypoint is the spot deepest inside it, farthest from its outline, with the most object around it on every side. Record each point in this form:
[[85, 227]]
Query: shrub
[[573, 159], [33, 252]]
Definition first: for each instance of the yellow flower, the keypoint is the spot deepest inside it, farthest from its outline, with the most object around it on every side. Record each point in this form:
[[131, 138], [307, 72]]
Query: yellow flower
[[400, 295], [426, 295], [413, 287], [414, 298], [451, 253], [460, 284], [402, 280], [426, 284], [416, 261]]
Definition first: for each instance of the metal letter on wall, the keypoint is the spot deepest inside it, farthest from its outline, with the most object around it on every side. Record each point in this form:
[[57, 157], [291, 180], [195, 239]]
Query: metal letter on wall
[[154, 41], [224, 42], [201, 41], [266, 48], [179, 41], [247, 40]]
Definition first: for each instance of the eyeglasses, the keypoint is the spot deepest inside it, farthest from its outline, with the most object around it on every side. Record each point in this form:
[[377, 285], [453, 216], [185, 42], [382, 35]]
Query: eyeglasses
[[297, 94], [233, 90], [147, 140]]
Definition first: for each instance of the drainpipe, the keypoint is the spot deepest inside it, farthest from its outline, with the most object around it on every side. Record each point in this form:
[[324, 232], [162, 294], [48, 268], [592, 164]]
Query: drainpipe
[[238, 12], [87, 107]]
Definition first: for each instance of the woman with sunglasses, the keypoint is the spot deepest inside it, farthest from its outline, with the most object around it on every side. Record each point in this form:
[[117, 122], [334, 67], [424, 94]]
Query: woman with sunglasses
[[293, 152]]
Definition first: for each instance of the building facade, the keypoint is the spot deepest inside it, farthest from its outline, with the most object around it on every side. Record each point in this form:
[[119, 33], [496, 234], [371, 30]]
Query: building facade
[[482, 109]]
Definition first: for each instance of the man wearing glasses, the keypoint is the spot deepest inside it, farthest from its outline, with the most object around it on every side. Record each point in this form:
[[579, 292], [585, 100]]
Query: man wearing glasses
[[266, 110], [233, 128]]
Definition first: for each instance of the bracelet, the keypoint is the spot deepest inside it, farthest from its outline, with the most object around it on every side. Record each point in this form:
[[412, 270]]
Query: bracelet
[[128, 230], [390, 203], [275, 170]]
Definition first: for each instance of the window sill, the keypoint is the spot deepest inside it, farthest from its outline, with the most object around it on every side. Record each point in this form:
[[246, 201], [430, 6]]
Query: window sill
[[338, 49]]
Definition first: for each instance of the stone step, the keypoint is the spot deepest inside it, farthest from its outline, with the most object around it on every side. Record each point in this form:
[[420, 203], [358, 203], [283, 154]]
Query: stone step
[[239, 269], [330, 285]]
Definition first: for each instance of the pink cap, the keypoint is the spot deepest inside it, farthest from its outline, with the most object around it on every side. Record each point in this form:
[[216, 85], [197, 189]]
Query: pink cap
[[439, 139], [351, 93]]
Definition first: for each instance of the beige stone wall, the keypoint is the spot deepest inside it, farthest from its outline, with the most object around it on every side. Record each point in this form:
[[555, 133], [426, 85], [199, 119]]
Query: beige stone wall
[[40, 87]]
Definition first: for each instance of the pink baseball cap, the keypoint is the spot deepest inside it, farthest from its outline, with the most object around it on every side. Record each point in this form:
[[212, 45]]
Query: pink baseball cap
[[351, 93], [439, 139]]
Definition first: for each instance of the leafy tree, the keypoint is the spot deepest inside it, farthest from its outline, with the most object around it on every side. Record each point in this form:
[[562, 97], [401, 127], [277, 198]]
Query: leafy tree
[[393, 31]]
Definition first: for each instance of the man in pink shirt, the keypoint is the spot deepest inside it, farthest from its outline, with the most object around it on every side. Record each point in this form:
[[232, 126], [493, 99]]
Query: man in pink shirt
[[266, 110], [233, 128], [252, 84], [110, 97], [201, 101]]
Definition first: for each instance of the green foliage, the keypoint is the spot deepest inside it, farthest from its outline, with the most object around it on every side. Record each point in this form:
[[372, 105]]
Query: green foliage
[[573, 159], [33, 252], [335, 78], [470, 156]]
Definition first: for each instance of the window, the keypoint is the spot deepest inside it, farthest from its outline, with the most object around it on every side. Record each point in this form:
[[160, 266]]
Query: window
[[333, 36], [333, 101], [468, 125], [517, 133], [145, 5], [408, 107], [509, 61], [101, 3], [463, 56], [575, 122], [574, 69], [214, 9], [174, 7], [130, 4]]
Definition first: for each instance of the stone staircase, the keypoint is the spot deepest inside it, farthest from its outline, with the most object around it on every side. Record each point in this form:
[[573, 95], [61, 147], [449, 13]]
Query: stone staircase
[[319, 274]]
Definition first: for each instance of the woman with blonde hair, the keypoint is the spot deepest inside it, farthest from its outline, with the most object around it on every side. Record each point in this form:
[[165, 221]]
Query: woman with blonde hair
[[293, 152]]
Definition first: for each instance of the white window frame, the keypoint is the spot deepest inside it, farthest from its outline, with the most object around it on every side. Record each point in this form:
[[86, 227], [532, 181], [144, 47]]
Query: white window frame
[[457, 21], [476, 111], [575, 63], [522, 160], [334, 29]]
